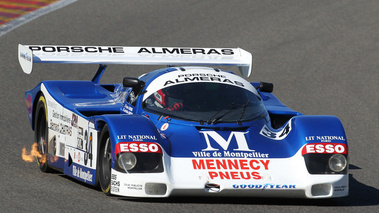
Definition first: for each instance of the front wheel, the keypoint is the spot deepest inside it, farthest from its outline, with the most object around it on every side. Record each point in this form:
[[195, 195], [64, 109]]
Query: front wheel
[[105, 161]]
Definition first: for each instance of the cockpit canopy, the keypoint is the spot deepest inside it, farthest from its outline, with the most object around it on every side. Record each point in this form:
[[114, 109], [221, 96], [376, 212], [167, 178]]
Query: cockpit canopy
[[203, 96]]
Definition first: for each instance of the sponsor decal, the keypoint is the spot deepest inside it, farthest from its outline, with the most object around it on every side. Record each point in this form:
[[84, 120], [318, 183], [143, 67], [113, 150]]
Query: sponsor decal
[[340, 188], [127, 109], [263, 186], [74, 120], [197, 77], [187, 75], [132, 186], [164, 127], [29, 103], [115, 183], [136, 137], [191, 51], [25, 56], [88, 156], [115, 189], [252, 154], [61, 128], [82, 173], [113, 177], [76, 49], [146, 147], [325, 148], [79, 157], [238, 136], [280, 135], [63, 118], [214, 139], [80, 138], [52, 104], [231, 169], [325, 138]]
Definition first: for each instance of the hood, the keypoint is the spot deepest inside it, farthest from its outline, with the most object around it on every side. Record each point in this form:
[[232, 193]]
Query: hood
[[201, 141]]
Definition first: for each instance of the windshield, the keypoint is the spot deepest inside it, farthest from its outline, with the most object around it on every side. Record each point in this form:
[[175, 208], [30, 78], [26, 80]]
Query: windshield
[[206, 102]]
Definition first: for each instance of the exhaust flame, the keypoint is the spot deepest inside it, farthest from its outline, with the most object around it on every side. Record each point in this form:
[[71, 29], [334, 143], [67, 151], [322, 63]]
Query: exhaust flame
[[34, 153]]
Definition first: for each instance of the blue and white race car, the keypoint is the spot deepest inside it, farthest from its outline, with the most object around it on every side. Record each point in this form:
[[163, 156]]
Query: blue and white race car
[[186, 129]]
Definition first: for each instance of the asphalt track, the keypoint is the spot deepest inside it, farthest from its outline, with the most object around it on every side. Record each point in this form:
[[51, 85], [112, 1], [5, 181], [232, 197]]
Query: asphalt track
[[322, 57]]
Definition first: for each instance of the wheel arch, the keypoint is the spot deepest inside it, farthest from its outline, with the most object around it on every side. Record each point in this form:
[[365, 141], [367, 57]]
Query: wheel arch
[[120, 128], [121, 125]]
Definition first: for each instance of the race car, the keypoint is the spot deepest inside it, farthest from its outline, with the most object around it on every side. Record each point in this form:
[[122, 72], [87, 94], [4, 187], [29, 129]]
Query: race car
[[185, 129]]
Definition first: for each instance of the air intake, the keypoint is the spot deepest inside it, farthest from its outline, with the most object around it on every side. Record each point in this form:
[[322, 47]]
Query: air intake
[[212, 187]]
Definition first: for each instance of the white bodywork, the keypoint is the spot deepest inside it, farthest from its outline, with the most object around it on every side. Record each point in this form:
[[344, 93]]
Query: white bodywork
[[273, 178]]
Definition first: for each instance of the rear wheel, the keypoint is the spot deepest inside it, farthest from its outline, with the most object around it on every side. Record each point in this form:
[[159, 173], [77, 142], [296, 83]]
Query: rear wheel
[[105, 161], [41, 134]]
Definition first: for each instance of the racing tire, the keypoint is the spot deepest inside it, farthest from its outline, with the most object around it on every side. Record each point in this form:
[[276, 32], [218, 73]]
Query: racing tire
[[105, 161], [41, 135]]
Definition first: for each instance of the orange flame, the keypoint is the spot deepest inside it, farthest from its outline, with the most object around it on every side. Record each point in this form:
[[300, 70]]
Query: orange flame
[[53, 159], [34, 153]]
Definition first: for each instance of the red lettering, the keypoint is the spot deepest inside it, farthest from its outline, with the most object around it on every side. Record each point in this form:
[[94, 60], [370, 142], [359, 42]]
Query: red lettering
[[198, 165], [221, 164], [256, 176], [233, 164], [235, 175], [224, 175], [265, 163], [210, 164], [236, 164], [243, 175], [252, 164], [243, 164], [213, 174]]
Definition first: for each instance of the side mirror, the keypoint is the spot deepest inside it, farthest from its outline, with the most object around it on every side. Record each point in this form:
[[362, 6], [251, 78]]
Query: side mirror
[[266, 87], [130, 82], [134, 83]]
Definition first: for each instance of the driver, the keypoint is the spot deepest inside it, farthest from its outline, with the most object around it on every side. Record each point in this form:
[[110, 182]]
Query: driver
[[169, 98]]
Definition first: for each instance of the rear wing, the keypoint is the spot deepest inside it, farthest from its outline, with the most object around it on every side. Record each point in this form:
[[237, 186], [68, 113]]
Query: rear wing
[[171, 56]]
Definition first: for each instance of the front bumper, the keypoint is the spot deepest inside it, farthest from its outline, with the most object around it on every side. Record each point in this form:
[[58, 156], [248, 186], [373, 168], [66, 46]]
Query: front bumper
[[287, 178]]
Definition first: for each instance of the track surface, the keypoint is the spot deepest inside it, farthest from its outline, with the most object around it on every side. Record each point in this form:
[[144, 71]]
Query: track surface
[[321, 55], [10, 9]]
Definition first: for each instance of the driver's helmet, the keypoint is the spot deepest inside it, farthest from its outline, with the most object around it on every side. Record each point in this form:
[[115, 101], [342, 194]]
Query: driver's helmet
[[168, 98], [160, 99]]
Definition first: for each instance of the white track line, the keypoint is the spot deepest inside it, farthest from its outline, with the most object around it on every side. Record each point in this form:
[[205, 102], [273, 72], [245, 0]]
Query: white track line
[[7, 27]]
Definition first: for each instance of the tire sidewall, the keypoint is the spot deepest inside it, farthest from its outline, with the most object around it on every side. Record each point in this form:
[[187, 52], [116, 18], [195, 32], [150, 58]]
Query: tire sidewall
[[41, 108], [105, 186]]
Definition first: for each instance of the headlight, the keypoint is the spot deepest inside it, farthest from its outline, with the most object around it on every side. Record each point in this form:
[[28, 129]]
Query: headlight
[[337, 162], [127, 161]]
